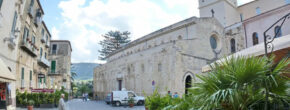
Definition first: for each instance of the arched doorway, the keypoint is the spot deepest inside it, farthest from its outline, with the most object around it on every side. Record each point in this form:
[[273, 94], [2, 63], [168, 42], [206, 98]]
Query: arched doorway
[[187, 83]]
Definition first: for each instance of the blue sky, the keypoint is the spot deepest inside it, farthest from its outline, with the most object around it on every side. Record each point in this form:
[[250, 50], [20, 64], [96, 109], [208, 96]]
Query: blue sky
[[84, 21]]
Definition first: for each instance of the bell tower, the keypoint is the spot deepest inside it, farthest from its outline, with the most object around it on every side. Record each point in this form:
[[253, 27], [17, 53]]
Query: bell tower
[[225, 11]]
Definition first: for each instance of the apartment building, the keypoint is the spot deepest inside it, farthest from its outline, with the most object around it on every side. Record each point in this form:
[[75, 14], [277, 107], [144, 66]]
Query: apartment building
[[32, 66], [60, 57], [10, 22]]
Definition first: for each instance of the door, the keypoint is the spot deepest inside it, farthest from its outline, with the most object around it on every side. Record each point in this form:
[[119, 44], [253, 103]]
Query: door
[[120, 85], [2, 95]]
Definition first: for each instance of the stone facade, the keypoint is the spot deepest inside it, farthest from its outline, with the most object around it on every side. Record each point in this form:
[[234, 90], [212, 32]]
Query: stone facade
[[32, 66], [9, 24], [170, 57], [173, 56], [60, 57], [228, 12]]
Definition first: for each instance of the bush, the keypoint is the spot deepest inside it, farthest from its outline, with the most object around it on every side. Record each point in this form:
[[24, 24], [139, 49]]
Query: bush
[[25, 98], [158, 102]]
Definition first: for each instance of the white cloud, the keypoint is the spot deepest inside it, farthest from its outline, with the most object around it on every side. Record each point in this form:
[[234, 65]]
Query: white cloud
[[55, 33], [84, 23]]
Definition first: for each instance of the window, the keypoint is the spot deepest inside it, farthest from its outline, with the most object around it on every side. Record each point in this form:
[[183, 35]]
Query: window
[[129, 70], [30, 76], [25, 34], [31, 3], [33, 40], [258, 10], [213, 42], [45, 55], [53, 63], [159, 67], [40, 54], [22, 77], [42, 32], [14, 20], [233, 45], [54, 47], [142, 67], [22, 73], [255, 38], [241, 17], [46, 39], [278, 31], [286, 1]]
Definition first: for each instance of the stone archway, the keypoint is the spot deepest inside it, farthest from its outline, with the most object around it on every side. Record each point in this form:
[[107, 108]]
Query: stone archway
[[188, 83]]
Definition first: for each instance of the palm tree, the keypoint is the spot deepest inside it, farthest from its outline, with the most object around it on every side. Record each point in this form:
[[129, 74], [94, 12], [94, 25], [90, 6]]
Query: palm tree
[[241, 83]]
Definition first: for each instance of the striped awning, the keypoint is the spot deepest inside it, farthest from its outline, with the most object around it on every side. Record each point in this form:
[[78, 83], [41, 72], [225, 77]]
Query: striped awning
[[5, 74]]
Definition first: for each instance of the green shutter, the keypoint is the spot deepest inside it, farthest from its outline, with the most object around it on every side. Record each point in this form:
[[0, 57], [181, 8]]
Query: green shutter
[[14, 22], [30, 75], [22, 73], [52, 66], [1, 1], [44, 80]]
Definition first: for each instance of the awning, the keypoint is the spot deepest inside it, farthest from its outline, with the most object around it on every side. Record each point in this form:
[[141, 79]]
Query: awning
[[257, 50], [5, 74]]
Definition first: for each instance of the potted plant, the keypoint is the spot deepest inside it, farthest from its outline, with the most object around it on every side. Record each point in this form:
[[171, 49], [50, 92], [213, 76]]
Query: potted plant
[[131, 102], [30, 105]]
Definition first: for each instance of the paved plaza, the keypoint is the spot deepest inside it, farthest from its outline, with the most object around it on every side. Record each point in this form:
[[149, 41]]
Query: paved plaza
[[78, 104]]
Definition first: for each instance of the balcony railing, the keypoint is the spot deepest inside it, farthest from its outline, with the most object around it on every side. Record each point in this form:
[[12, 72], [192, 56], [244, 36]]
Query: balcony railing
[[47, 44], [42, 39], [51, 73], [29, 48], [43, 62]]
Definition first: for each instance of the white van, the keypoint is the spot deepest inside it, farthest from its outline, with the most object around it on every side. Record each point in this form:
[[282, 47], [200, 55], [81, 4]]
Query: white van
[[122, 97]]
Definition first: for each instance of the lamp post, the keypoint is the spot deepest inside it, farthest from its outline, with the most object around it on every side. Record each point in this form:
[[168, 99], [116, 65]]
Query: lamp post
[[268, 39]]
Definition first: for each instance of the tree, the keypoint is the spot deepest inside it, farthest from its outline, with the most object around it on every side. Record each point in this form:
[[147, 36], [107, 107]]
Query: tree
[[240, 84], [113, 41]]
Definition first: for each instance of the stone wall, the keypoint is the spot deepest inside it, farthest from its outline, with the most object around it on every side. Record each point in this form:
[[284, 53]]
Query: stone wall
[[166, 57]]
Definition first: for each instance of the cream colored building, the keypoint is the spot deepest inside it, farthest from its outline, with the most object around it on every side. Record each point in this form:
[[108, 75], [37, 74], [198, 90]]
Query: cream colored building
[[32, 65], [170, 58], [9, 34], [60, 57]]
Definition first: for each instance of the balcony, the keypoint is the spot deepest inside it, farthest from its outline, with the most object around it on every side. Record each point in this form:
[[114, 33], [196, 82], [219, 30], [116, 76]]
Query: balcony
[[54, 73], [29, 48], [43, 62], [47, 44], [42, 40]]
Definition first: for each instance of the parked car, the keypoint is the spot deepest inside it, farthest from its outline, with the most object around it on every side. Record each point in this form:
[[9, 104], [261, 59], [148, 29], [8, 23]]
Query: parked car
[[108, 98], [121, 98]]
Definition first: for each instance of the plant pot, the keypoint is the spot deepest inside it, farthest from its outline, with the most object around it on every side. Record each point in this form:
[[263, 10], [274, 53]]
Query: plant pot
[[30, 107], [131, 105]]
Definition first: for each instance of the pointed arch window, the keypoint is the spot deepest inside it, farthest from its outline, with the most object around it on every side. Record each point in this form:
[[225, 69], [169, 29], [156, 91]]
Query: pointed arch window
[[255, 38], [233, 45]]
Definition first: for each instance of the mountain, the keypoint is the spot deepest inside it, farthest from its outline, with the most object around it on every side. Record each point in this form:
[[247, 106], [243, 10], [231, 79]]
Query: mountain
[[84, 70]]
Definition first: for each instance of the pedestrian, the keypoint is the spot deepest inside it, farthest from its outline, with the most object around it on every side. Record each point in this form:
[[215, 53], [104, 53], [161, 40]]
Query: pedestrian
[[84, 97], [169, 93], [61, 103], [175, 95]]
